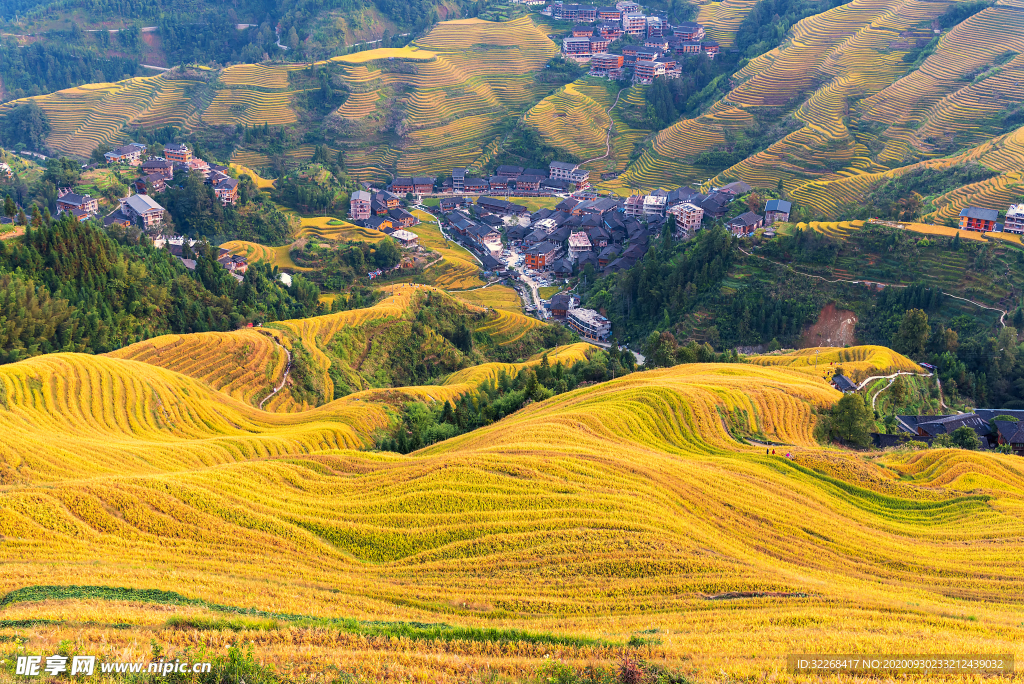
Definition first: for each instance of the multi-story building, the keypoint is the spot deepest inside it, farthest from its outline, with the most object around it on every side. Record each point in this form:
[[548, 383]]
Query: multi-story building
[[654, 205], [402, 186], [582, 30], [589, 324], [598, 44], [645, 72], [423, 185], [583, 14], [974, 218], [634, 206], [634, 23], [70, 202], [458, 180], [159, 165], [127, 154], [688, 218], [711, 48], [776, 210], [144, 208], [627, 6], [609, 14], [1015, 219], [605, 61], [226, 190], [177, 152], [689, 30], [541, 255], [610, 31], [579, 243], [655, 27], [562, 170], [576, 47], [359, 205]]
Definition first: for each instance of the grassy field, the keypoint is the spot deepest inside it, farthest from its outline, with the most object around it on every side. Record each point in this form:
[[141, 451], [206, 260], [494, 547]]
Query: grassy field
[[546, 292], [628, 510]]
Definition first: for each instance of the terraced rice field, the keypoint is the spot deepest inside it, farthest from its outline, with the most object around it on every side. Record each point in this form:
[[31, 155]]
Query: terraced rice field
[[572, 121], [506, 327], [947, 100], [250, 107], [603, 513], [336, 229], [857, 362], [253, 252], [271, 76], [463, 80], [261, 183], [359, 105], [721, 19], [252, 160], [246, 364], [85, 117], [496, 296], [828, 63], [457, 270]]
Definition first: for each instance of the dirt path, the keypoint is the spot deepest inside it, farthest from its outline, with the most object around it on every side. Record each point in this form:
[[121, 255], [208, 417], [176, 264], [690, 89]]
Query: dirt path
[[287, 370], [17, 232], [608, 137], [1002, 323]]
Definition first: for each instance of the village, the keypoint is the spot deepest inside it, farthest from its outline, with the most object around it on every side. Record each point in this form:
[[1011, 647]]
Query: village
[[653, 47]]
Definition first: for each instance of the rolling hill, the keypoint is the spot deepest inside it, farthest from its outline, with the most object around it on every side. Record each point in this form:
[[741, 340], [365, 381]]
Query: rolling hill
[[861, 94], [249, 364], [633, 509]]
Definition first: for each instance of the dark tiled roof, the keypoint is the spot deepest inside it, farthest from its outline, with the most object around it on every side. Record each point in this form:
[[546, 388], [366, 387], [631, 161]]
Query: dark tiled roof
[[843, 383], [981, 214]]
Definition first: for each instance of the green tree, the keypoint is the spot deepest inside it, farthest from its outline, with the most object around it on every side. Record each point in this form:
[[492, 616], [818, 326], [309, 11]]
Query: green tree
[[899, 391], [660, 350], [851, 420], [913, 332], [966, 438], [9, 206], [26, 124]]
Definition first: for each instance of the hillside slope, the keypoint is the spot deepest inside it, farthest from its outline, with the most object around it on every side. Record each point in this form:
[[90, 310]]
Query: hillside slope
[[353, 347], [608, 511]]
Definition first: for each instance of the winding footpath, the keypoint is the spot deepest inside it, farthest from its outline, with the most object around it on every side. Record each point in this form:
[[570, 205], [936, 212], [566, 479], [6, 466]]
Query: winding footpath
[[608, 137], [1002, 316], [287, 370]]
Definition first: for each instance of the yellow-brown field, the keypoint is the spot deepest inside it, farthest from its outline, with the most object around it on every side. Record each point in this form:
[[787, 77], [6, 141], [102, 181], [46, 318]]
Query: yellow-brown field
[[261, 183], [495, 296], [253, 251], [618, 510], [336, 229], [857, 362]]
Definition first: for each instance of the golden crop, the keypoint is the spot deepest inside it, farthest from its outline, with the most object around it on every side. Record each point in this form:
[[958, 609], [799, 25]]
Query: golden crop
[[609, 511], [857, 362]]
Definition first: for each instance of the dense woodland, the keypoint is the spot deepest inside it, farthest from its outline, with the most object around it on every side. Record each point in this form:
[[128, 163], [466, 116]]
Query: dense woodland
[[70, 287], [424, 424], [195, 211], [45, 67]]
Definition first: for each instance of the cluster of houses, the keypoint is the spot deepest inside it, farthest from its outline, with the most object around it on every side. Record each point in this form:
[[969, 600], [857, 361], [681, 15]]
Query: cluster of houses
[[381, 210], [987, 220], [155, 172], [598, 27], [689, 207], [522, 181], [994, 427], [236, 264]]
